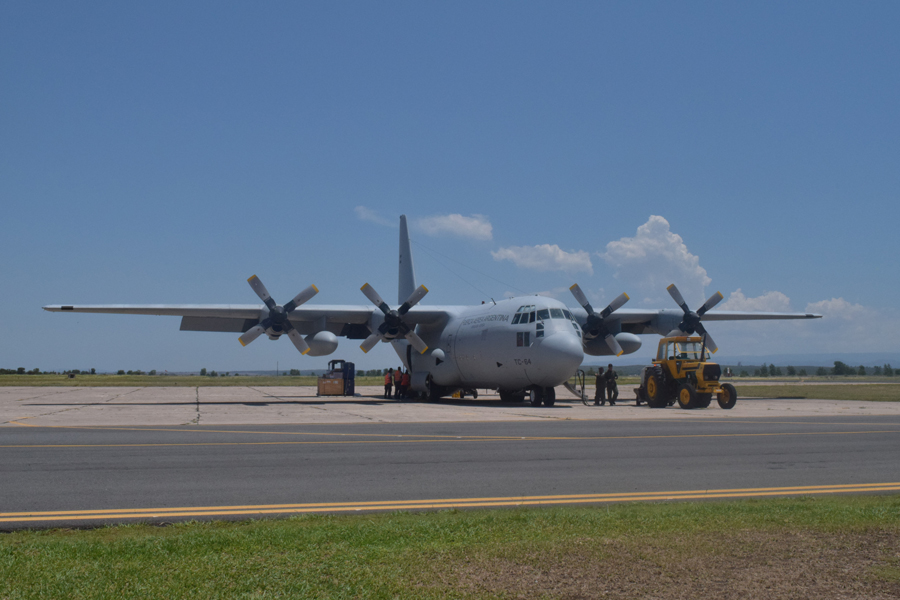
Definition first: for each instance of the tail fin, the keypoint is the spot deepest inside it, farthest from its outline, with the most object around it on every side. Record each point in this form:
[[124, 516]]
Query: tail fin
[[407, 276]]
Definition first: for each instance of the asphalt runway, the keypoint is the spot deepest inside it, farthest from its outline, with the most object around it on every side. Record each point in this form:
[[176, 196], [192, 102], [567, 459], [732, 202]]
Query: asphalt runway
[[87, 474]]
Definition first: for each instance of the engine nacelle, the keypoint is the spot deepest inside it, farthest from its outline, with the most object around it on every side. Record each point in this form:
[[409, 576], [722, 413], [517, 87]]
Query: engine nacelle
[[322, 343], [598, 346]]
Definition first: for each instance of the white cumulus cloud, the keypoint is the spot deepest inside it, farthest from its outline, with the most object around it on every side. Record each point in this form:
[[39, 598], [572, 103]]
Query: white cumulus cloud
[[654, 258], [476, 227], [768, 302], [546, 257], [838, 308], [367, 214]]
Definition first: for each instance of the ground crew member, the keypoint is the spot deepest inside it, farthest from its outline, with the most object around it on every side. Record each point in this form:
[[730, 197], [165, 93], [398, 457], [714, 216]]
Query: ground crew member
[[404, 383], [600, 392], [388, 383], [612, 388], [397, 375]]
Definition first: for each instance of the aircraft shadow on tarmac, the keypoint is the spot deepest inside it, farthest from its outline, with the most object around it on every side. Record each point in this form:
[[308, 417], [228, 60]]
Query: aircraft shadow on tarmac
[[310, 402]]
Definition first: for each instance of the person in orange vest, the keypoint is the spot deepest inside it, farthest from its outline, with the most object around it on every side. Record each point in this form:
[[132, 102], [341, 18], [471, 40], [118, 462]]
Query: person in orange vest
[[397, 382], [404, 383], [388, 383]]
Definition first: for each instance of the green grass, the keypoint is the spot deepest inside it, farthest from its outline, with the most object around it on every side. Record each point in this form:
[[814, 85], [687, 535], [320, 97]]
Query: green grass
[[877, 392], [399, 555]]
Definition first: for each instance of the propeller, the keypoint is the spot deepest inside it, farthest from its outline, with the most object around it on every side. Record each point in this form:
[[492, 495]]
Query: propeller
[[691, 321], [393, 325], [277, 322], [595, 326]]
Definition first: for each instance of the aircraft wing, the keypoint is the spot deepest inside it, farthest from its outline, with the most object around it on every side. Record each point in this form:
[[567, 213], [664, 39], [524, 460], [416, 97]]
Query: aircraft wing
[[662, 321], [351, 321]]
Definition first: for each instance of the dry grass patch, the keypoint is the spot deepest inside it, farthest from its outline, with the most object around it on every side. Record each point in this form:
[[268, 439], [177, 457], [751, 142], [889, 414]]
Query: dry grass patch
[[741, 565]]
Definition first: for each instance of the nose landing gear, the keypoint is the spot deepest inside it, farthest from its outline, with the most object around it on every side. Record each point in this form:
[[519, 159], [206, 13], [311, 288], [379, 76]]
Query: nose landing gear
[[545, 396]]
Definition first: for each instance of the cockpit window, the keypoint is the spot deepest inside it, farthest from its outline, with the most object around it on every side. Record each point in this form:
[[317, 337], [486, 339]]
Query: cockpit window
[[556, 313], [543, 314], [568, 315]]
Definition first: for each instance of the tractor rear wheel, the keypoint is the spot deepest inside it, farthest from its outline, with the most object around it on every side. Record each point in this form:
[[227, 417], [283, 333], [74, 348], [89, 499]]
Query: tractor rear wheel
[[687, 396], [727, 397], [654, 391]]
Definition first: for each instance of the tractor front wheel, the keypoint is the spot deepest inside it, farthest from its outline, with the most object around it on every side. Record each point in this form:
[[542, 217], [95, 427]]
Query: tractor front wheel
[[727, 397], [687, 396]]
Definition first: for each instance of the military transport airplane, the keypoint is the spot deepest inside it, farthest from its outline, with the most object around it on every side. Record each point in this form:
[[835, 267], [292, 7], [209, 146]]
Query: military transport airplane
[[516, 346]]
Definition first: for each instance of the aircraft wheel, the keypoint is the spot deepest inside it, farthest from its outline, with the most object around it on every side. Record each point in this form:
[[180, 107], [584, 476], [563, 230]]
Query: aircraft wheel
[[703, 400], [536, 396], [549, 397], [654, 391], [687, 396], [727, 397]]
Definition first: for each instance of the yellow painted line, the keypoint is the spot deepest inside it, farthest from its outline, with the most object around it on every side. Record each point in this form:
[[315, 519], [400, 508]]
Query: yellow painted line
[[144, 513], [411, 439]]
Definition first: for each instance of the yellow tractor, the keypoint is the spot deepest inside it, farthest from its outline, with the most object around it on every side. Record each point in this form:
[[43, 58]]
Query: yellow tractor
[[680, 373]]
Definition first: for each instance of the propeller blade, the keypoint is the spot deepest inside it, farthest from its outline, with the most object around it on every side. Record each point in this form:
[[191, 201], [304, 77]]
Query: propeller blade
[[416, 342], [251, 334], [710, 344], [615, 305], [713, 300], [261, 291], [581, 299], [413, 299], [373, 297], [613, 344], [370, 342], [301, 298], [678, 298], [298, 340]]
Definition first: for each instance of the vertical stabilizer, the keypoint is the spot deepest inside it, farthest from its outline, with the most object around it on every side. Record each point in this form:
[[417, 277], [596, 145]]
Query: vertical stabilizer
[[407, 276]]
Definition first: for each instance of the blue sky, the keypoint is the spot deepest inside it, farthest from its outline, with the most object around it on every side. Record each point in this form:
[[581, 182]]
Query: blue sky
[[164, 152]]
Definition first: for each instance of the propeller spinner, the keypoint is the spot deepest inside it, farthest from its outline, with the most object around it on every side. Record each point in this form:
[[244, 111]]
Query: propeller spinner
[[595, 326], [277, 322], [691, 321], [393, 325]]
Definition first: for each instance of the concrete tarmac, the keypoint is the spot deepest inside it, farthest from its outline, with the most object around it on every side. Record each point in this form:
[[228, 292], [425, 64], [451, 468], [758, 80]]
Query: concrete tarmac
[[88, 456], [121, 406]]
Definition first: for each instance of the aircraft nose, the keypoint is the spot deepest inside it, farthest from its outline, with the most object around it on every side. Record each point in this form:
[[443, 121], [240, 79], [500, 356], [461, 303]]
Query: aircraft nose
[[562, 352]]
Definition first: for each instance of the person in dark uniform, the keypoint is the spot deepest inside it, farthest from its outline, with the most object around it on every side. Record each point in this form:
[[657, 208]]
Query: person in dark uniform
[[612, 388], [600, 392]]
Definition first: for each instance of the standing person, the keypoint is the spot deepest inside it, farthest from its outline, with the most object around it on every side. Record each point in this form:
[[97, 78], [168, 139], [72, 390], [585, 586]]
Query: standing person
[[397, 375], [388, 383], [404, 383], [612, 388], [600, 392]]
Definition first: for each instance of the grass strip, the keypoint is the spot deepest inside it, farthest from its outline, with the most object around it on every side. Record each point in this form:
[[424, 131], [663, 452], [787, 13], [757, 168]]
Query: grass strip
[[792, 547], [876, 392]]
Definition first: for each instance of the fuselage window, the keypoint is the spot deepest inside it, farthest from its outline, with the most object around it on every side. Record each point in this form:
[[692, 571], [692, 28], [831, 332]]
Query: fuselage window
[[523, 338], [539, 329]]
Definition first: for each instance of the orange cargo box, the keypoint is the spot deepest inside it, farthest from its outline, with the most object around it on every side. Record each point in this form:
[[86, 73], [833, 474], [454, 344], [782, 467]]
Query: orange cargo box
[[331, 387]]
